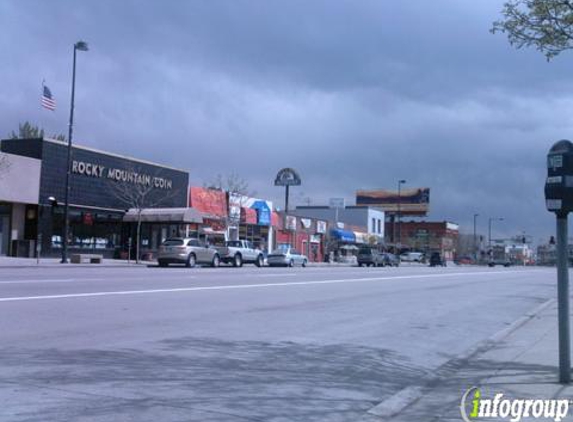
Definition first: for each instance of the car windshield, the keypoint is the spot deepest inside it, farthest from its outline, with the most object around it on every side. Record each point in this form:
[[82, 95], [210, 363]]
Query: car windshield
[[173, 242], [365, 251]]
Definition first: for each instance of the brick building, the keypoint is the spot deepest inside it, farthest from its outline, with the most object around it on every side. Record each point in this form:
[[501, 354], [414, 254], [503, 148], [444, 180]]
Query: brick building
[[427, 236]]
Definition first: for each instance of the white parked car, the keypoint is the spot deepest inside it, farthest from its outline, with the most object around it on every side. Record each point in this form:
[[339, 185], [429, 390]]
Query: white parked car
[[286, 257], [412, 257]]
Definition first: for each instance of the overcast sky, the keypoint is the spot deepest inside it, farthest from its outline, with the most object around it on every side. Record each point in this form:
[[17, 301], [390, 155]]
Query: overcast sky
[[351, 94]]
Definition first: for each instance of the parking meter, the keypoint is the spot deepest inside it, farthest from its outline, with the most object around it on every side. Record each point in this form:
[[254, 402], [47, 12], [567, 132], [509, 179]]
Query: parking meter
[[559, 182], [559, 199]]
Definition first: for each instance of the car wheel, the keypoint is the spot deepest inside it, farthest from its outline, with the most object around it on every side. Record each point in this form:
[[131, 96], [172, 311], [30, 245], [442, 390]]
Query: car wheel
[[162, 263], [291, 263], [238, 261], [304, 263], [216, 261], [361, 264], [260, 261], [191, 261]]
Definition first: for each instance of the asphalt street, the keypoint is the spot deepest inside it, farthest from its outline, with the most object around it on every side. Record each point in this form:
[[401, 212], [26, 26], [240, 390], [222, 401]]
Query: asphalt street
[[234, 345]]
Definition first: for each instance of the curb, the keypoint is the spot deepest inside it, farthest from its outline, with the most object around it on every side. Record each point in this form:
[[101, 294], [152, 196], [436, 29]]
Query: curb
[[411, 394]]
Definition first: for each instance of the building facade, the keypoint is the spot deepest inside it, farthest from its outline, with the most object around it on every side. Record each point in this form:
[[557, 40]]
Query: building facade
[[103, 187], [429, 236]]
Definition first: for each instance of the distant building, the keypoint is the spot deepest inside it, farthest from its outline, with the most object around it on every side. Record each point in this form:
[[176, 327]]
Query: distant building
[[428, 236], [369, 219]]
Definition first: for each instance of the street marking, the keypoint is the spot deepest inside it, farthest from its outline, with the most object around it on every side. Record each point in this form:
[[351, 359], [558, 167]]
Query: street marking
[[245, 286]]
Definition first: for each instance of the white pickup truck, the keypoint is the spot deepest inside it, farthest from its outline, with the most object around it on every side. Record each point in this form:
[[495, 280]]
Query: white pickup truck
[[239, 252]]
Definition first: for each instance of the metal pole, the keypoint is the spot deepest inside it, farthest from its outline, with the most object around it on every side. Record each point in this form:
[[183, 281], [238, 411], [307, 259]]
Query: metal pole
[[475, 238], [399, 200], [489, 234], [68, 170], [286, 199], [563, 300]]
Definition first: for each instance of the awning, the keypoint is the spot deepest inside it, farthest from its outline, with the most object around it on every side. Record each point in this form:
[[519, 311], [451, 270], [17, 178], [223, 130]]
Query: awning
[[342, 235], [361, 237], [263, 212], [164, 215]]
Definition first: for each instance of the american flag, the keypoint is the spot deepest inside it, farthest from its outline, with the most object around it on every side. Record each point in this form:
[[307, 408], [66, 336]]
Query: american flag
[[47, 99]]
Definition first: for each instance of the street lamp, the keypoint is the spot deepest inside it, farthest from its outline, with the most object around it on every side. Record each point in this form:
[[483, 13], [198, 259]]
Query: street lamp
[[489, 229], [400, 183], [81, 46], [475, 239]]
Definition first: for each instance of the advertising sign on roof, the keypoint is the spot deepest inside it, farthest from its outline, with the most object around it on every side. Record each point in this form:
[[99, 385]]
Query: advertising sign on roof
[[415, 202]]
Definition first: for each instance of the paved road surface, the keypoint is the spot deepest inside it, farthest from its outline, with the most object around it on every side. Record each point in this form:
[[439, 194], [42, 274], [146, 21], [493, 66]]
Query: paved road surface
[[235, 345]]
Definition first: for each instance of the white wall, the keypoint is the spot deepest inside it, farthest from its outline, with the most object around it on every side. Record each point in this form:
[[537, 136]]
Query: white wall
[[20, 182]]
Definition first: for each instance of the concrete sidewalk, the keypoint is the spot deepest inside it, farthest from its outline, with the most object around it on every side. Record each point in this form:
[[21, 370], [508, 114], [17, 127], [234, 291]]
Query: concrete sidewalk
[[521, 362], [9, 262]]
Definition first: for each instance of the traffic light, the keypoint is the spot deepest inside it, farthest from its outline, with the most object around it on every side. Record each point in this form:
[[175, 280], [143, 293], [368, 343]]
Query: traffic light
[[552, 240]]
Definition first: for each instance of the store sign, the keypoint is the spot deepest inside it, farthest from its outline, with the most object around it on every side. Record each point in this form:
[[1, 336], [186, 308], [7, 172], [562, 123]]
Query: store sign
[[96, 170], [88, 219], [305, 223], [287, 177], [321, 227], [336, 203], [290, 222]]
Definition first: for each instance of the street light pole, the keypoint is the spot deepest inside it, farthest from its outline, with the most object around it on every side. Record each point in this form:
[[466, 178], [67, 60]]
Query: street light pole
[[81, 46], [475, 238], [400, 183], [489, 229]]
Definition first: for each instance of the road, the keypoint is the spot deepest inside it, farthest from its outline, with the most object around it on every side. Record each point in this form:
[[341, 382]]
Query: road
[[235, 345]]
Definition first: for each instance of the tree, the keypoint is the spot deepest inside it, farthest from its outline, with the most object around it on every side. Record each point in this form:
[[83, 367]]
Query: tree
[[138, 192], [28, 130], [546, 25], [238, 192]]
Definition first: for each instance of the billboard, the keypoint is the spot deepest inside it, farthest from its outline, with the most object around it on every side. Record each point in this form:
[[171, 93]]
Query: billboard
[[414, 202], [210, 201]]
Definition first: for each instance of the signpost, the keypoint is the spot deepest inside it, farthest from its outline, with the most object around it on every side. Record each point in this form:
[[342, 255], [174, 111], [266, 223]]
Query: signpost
[[559, 199], [287, 177]]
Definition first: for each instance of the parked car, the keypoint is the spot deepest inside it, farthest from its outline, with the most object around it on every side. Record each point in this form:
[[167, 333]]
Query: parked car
[[239, 252], [369, 256], [436, 260], [464, 260], [286, 257], [390, 259], [188, 251], [502, 261], [412, 257]]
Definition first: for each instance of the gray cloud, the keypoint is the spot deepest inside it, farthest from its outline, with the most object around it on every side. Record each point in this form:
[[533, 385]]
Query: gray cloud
[[353, 95]]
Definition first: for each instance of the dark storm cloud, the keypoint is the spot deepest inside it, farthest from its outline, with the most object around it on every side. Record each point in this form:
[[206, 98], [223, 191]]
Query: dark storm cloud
[[352, 94]]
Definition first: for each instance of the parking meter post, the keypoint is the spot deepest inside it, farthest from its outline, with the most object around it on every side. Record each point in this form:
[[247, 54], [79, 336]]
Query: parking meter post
[[559, 199], [563, 301]]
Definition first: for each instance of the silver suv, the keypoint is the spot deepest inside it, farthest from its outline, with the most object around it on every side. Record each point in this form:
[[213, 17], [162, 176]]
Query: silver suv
[[188, 251]]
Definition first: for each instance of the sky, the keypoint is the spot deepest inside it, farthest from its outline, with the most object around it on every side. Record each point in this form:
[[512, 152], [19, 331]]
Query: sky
[[353, 95]]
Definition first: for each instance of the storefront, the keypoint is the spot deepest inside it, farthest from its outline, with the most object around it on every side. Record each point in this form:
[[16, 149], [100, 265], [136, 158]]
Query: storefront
[[306, 235], [19, 192], [103, 186]]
